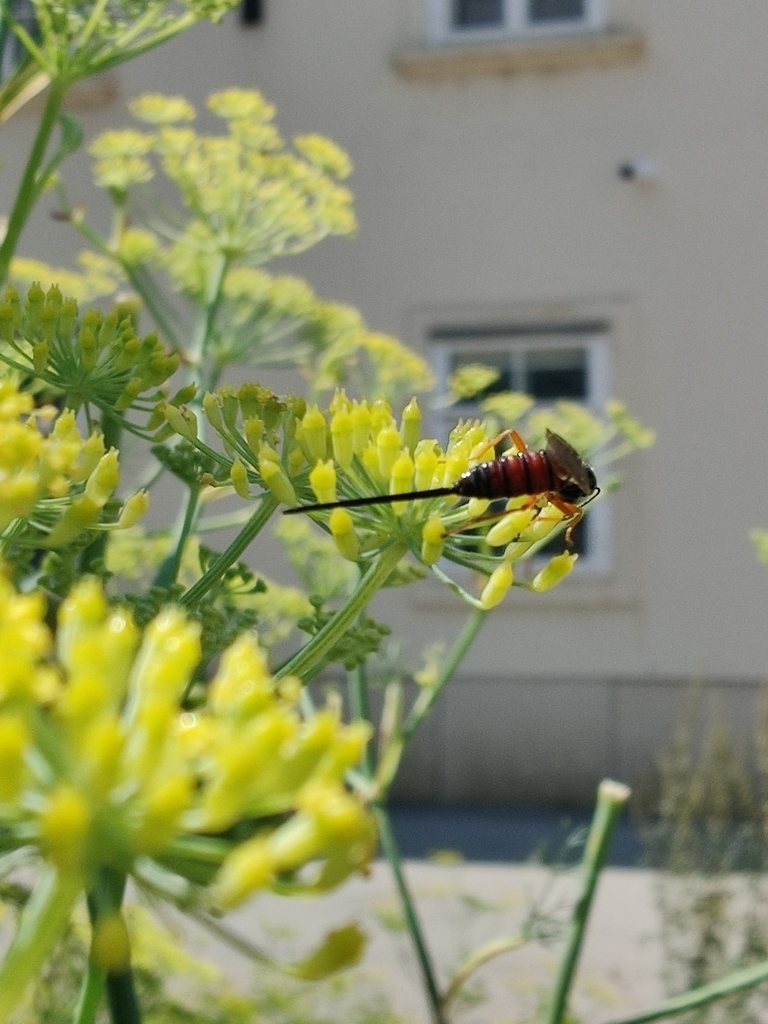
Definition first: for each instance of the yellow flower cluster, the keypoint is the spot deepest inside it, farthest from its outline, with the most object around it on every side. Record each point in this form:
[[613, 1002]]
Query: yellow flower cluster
[[357, 449], [101, 765]]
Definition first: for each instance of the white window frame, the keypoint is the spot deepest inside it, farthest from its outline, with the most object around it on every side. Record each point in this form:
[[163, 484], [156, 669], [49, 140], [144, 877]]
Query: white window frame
[[593, 337], [514, 25]]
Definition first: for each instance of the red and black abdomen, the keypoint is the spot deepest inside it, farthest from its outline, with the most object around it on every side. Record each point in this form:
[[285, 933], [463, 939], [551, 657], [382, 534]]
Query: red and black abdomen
[[509, 477]]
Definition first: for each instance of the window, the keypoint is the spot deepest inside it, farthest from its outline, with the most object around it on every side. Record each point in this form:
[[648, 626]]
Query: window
[[252, 12], [476, 20], [548, 361], [11, 50]]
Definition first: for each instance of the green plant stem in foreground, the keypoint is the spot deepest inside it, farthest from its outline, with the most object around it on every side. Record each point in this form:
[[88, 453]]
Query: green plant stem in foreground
[[748, 977], [42, 923], [228, 557], [321, 643], [611, 797], [91, 992], [392, 853], [29, 187]]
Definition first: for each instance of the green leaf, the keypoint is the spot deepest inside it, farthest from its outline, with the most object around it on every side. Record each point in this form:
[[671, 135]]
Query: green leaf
[[340, 949]]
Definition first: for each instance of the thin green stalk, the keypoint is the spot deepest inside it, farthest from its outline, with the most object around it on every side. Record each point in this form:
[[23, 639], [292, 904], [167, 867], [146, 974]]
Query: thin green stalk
[[42, 923], [227, 558], [478, 957], [28, 188], [392, 853], [205, 326], [321, 643], [121, 998], [429, 695], [168, 572], [358, 701], [106, 897], [611, 797], [90, 996], [748, 977]]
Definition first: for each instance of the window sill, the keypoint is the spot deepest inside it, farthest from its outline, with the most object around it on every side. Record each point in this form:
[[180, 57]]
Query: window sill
[[612, 48]]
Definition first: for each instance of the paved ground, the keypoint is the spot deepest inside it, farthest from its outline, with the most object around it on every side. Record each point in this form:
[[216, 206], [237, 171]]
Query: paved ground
[[463, 905]]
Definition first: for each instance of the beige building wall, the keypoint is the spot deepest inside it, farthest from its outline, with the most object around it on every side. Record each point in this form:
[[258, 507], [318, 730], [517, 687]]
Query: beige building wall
[[487, 190]]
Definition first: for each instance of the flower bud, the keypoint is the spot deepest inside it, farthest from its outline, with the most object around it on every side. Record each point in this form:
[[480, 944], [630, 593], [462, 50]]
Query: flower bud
[[248, 868], [388, 447], [381, 415], [342, 438], [556, 570], [64, 824], [498, 584], [274, 477], [545, 522], [102, 482], [410, 425], [361, 426], [322, 480], [14, 737], [212, 409], [133, 509], [253, 431], [314, 431], [426, 460], [81, 514], [510, 526], [343, 532], [432, 539], [183, 420], [401, 480], [371, 461], [238, 474]]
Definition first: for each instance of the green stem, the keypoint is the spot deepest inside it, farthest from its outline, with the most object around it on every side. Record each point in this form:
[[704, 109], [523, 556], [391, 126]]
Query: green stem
[[428, 696], [321, 643], [28, 190], [478, 957], [42, 923], [168, 572], [358, 701], [227, 558], [611, 797], [748, 977], [392, 853], [106, 897], [90, 995], [202, 336]]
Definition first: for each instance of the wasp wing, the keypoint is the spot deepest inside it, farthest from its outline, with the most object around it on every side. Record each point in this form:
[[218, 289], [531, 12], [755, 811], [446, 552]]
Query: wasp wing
[[568, 464]]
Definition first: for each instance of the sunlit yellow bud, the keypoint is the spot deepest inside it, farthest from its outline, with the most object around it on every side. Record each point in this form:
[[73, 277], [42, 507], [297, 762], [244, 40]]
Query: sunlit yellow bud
[[322, 480], [84, 606], [102, 482], [14, 737], [18, 496], [275, 480], [212, 410], [342, 438], [388, 447], [84, 698], [82, 513], [381, 415], [89, 456], [432, 540], [133, 509], [168, 654], [410, 425], [498, 584], [339, 402], [101, 753], [253, 431], [518, 502], [510, 526], [361, 426], [545, 522], [556, 570], [343, 531], [110, 943], [248, 868], [64, 824], [425, 461], [238, 474], [371, 461], [345, 752], [401, 477], [455, 464], [243, 685], [183, 420], [337, 814], [162, 808], [314, 430]]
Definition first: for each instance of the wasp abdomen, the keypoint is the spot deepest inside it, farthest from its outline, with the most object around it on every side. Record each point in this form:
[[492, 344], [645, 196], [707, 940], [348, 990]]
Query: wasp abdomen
[[509, 477]]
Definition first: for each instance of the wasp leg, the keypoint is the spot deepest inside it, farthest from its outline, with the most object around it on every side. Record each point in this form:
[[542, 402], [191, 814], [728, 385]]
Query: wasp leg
[[486, 446], [571, 512]]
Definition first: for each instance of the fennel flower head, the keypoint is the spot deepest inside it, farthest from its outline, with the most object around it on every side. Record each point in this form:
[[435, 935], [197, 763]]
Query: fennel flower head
[[103, 766]]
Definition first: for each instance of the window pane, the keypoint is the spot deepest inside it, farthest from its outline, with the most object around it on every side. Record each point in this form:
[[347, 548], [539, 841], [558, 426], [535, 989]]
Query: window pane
[[557, 373], [477, 13], [498, 361], [542, 11]]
